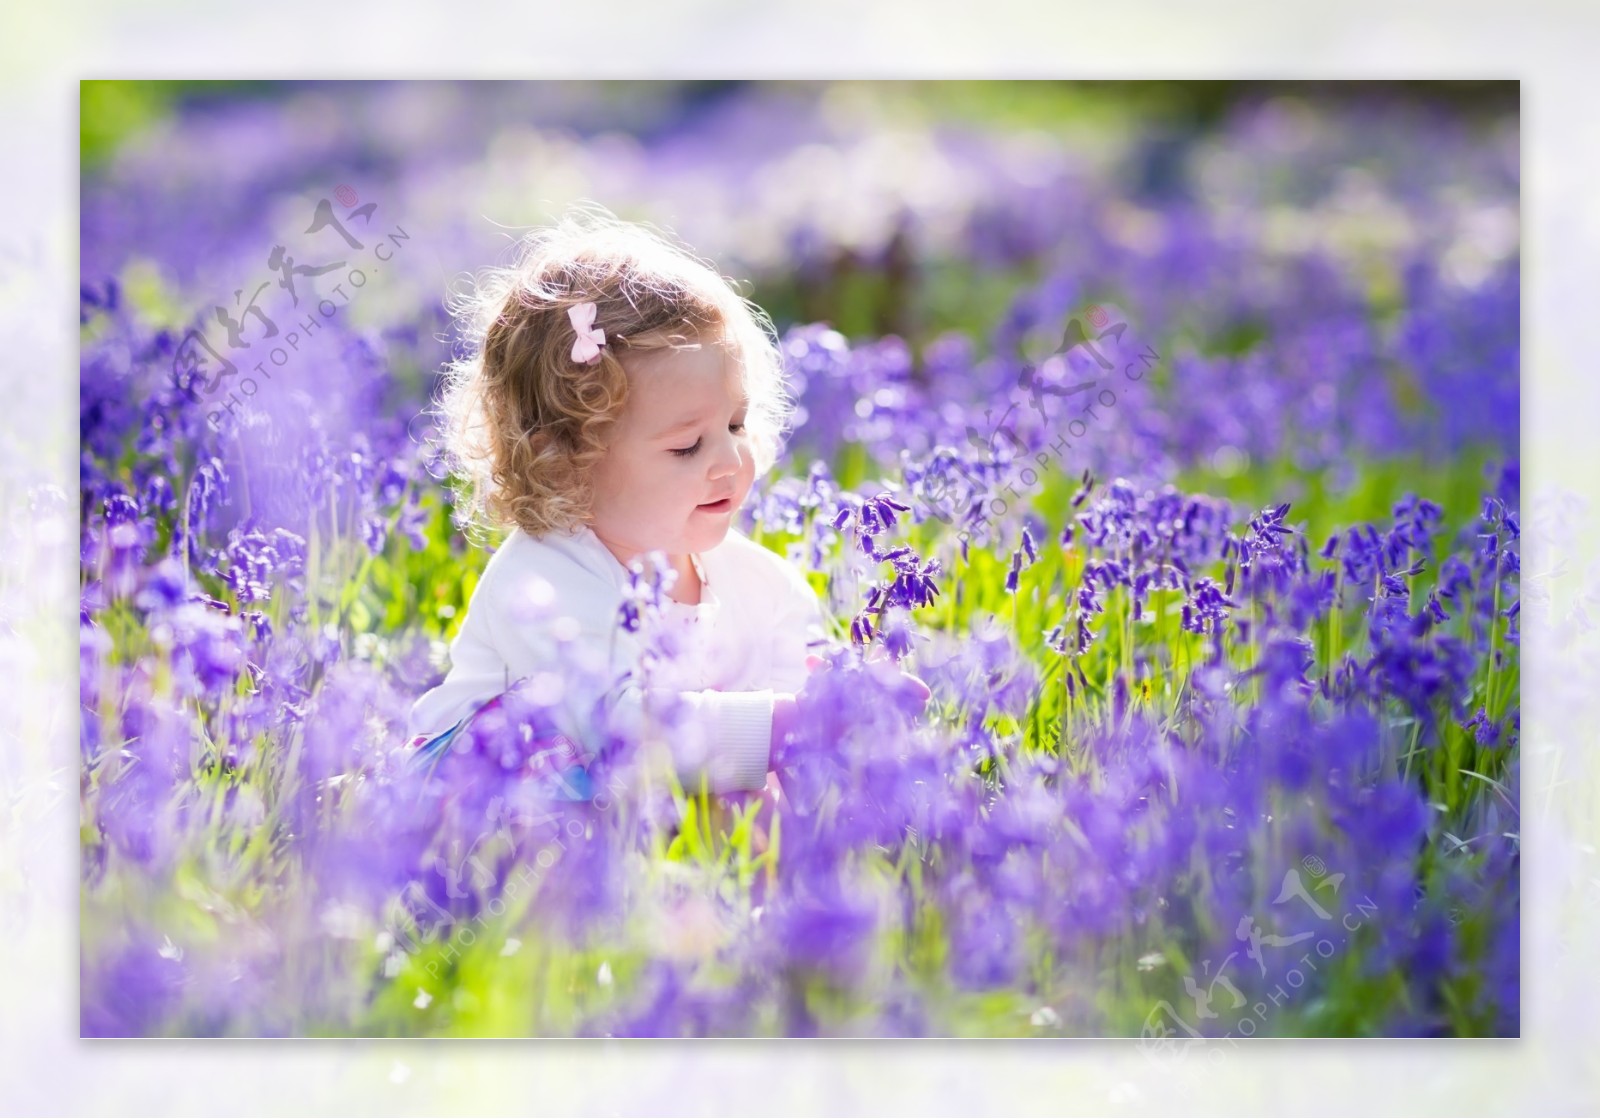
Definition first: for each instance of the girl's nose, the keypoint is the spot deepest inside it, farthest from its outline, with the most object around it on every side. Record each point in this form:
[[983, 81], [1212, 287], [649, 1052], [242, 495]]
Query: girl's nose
[[727, 460]]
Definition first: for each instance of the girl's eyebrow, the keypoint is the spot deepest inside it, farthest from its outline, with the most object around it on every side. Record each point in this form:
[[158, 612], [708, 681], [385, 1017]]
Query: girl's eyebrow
[[681, 426], [689, 423]]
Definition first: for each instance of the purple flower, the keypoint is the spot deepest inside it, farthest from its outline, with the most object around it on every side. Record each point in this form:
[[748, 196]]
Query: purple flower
[[1484, 730], [650, 579], [374, 533]]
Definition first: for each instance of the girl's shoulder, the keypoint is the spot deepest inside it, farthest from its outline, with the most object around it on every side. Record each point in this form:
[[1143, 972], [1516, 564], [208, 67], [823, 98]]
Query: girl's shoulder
[[573, 568]]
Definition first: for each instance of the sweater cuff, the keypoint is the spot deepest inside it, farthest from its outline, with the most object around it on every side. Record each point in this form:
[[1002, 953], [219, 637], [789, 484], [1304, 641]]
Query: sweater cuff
[[741, 750]]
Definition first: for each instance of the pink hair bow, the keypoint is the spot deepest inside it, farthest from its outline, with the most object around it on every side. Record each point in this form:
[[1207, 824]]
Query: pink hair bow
[[587, 347]]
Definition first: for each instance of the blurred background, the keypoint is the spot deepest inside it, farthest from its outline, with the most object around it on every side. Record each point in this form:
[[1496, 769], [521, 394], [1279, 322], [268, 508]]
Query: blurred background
[[848, 185], [1328, 269]]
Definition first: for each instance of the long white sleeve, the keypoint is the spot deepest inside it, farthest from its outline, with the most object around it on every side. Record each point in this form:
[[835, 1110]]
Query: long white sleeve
[[733, 750]]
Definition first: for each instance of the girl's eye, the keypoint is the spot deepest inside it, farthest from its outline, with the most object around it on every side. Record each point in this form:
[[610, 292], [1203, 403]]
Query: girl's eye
[[685, 452]]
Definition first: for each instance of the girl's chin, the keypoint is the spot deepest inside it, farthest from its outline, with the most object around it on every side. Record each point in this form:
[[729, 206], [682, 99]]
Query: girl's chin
[[707, 530]]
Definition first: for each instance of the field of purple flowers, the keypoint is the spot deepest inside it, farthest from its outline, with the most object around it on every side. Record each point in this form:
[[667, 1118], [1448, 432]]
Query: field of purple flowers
[[1184, 472]]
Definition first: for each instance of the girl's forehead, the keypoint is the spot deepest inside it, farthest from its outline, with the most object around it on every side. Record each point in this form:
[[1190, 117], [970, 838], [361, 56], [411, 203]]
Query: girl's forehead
[[665, 373], [680, 390]]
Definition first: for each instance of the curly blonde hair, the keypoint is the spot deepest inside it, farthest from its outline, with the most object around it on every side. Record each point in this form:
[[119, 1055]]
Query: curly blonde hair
[[523, 425]]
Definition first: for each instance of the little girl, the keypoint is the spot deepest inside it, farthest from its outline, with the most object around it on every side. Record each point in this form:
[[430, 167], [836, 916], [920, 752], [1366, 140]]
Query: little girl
[[620, 400]]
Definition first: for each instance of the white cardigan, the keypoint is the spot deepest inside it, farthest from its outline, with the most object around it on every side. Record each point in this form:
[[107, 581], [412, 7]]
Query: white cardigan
[[543, 600]]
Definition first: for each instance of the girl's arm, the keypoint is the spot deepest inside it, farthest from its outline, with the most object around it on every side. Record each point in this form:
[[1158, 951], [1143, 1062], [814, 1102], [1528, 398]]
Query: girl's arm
[[797, 631]]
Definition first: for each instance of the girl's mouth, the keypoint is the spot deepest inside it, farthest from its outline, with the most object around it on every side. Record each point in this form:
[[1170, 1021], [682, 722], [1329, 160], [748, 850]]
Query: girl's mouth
[[716, 506]]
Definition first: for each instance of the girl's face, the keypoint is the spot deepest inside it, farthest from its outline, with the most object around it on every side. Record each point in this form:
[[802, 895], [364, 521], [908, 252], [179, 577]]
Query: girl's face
[[679, 462]]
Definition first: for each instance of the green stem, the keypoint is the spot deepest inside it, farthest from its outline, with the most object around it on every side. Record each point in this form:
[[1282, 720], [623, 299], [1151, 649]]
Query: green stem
[[313, 566], [1415, 732], [1335, 618], [1494, 633]]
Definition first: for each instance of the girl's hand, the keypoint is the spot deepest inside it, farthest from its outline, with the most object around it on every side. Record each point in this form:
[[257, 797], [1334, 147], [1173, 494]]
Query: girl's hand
[[910, 696], [910, 693]]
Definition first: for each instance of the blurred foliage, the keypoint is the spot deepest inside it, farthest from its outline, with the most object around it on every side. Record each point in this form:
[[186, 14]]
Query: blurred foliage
[[114, 111], [111, 112]]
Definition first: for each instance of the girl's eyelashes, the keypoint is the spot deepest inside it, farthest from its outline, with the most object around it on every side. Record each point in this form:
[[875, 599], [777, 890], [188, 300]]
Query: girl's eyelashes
[[685, 452]]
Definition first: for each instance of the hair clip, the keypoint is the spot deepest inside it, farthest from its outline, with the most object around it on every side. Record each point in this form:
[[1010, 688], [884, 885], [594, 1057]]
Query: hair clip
[[586, 349]]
